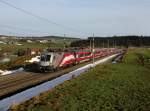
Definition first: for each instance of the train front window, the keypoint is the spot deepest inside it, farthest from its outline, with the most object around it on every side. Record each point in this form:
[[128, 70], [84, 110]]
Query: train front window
[[42, 57], [48, 57]]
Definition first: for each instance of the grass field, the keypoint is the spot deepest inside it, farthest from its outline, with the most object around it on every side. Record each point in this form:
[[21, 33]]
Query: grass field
[[14, 48], [111, 87], [15, 63]]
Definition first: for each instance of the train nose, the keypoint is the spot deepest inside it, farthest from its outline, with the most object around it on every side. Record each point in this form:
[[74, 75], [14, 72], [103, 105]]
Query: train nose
[[42, 63]]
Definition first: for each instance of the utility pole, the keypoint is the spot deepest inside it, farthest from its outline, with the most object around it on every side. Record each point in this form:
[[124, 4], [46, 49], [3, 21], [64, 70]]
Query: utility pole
[[103, 44], [64, 42], [108, 43], [114, 44], [93, 50], [141, 41], [90, 46]]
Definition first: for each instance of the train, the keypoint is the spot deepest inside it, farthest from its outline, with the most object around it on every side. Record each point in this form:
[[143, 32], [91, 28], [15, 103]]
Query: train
[[52, 61]]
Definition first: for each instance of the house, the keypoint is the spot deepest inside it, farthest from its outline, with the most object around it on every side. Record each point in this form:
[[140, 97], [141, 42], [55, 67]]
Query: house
[[1, 42], [43, 41], [29, 41], [35, 51], [12, 42]]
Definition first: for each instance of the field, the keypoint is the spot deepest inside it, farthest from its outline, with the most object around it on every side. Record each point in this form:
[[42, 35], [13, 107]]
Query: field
[[110, 87], [14, 49]]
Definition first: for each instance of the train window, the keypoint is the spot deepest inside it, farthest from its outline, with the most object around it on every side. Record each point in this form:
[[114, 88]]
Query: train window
[[48, 57], [54, 58], [87, 54], [81, 55], [42, 57]]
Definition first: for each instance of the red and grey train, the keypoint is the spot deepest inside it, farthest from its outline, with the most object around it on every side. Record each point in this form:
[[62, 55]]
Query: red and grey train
[[56, 60]]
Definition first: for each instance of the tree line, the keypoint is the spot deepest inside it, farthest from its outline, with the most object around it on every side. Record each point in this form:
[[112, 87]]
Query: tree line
[[122, 41]]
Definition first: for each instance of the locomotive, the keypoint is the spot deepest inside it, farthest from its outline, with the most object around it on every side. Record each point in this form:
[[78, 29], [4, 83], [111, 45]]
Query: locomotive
[[56, 60]]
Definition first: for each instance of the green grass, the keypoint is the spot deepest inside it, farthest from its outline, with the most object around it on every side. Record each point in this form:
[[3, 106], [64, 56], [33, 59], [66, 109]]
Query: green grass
[[15, 48], [111, 87], [15, 63]]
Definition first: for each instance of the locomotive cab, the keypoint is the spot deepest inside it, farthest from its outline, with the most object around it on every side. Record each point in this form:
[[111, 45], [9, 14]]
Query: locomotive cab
[[46, 60], [50, 60]]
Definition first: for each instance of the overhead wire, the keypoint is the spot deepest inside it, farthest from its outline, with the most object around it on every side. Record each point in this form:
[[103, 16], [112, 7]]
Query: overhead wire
[[11, 33], [40, 17], [28, 31], [22, 29]]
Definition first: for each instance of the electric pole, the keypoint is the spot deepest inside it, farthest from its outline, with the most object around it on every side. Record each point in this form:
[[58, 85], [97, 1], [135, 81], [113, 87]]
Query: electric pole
[[93, 48], [64, 41], [108, 43], [114, 44], [141, 41], [103, 44], [90, 46]]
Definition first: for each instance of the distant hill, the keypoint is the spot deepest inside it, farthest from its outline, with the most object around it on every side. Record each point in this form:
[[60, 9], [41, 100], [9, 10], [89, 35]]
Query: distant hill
[[39, 38], [122, 41], [59, 37], [7, 37]]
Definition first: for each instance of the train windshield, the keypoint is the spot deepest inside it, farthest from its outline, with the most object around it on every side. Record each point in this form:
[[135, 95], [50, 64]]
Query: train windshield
[[48, 57], [45, 57]]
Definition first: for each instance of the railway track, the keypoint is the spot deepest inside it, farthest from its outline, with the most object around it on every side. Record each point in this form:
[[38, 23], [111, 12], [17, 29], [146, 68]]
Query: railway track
[[8, 84], [15, 83], [13, 78], [11, 84]]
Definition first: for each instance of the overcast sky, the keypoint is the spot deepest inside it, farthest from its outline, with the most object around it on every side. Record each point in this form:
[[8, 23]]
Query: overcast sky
[[85, 17]]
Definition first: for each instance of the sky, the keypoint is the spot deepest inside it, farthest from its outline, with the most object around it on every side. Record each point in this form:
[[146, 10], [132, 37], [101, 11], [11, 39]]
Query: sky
[[78, 18]]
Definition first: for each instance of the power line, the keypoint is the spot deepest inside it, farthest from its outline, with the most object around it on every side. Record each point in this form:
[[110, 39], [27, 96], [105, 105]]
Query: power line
[[29, 33], [39, 17], [30, 30], [12, 29], [10, 32], [20, 28]]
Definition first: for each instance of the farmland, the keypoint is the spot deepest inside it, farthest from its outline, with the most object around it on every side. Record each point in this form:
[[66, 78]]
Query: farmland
[[19, 50], [14, 48], [121, 86]]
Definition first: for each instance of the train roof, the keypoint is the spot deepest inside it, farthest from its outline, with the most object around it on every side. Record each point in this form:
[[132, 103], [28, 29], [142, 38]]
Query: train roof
[[81, 51]]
